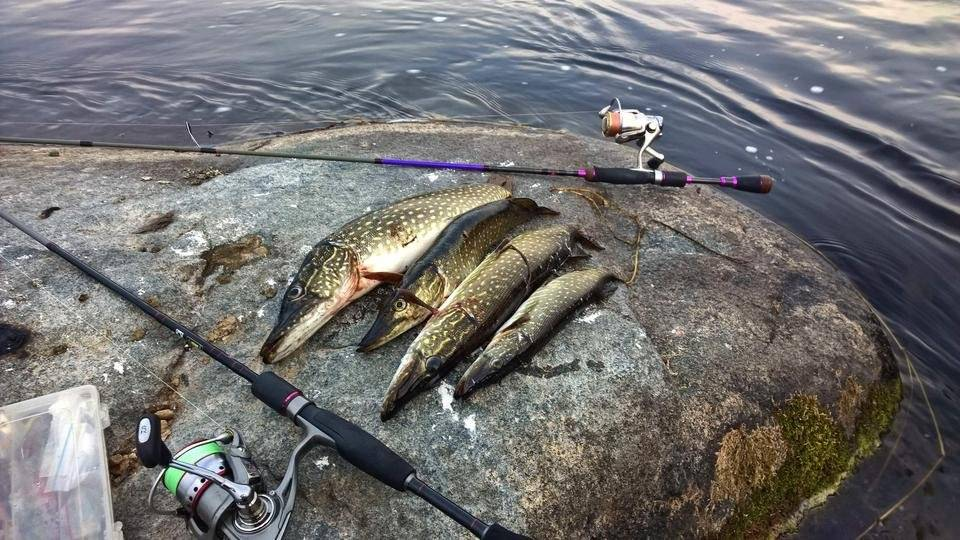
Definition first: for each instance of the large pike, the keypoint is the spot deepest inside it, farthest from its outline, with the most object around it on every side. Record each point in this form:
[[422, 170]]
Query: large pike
[[479, 306], [532, 325], [456, 253], [367, 251]]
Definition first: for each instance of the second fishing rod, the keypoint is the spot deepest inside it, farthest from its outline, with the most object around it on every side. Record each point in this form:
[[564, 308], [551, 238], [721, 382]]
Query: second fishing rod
[[623, 125]]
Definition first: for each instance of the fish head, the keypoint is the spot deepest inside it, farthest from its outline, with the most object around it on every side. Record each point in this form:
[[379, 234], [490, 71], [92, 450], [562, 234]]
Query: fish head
[[423, 365], [405, 309], [488, 367], [325, 284]]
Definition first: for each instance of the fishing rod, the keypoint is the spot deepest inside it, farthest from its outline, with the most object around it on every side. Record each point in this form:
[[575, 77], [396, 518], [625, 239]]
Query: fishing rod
[[216, 481], [624, 125]]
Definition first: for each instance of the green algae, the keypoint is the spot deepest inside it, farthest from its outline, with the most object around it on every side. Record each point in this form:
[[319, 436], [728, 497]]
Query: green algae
[[819, 455]]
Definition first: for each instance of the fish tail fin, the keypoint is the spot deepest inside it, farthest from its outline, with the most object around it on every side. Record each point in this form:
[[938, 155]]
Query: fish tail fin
[[580, 237]]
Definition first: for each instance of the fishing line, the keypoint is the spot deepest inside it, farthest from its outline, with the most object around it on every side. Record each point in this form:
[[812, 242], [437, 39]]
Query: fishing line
[[118, 350], [277, 122]]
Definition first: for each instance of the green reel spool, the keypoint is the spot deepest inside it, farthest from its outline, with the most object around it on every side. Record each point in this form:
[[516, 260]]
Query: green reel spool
[[192, 455]]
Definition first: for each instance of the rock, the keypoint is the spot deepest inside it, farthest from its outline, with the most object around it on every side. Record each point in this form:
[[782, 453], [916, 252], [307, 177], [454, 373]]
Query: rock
[[164, 414], [738, 376], [225, 328], [230, 257], [12, 338], [156, 222], [47, 212]]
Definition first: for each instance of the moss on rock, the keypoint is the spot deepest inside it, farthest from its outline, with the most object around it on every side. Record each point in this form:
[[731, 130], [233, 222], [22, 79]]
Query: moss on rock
[[876, 414], [819, 453]]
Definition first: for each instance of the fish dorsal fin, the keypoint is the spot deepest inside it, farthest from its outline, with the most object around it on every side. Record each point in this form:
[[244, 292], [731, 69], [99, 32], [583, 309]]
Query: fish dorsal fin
[[410, 297], [582, 238], [393, 278]]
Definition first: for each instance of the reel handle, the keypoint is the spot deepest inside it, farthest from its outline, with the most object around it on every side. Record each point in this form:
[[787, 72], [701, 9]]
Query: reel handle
[[151, 450]]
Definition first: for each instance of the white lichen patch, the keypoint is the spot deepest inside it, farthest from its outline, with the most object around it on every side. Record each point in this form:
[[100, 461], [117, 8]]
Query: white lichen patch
[[590, 318], [446, 400], [190, 244], [470, 423]]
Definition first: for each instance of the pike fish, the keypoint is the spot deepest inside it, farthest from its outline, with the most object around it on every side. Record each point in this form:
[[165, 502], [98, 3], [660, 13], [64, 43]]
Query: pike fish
[[373, 248], [534, 322], [456, 253], [479, 306]]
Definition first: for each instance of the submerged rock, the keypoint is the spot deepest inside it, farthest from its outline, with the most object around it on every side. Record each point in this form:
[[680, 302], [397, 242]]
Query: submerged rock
[[738, 376]]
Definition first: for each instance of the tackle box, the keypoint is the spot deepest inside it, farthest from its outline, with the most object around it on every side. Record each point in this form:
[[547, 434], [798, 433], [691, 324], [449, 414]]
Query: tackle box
[[54, 481]]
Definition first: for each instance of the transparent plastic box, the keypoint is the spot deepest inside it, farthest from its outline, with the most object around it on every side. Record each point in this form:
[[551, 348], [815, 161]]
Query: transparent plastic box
[[54, 481]]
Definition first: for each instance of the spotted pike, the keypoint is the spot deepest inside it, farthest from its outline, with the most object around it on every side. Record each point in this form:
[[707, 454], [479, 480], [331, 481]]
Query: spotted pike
[[479, 306], [367, 251], [456, 253], [532, 325]]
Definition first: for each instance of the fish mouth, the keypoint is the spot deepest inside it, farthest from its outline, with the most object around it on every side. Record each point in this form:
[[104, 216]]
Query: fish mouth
[[386, 329], [296, 328], [379, 334], [469, 384], [404, 386], [482, 372]]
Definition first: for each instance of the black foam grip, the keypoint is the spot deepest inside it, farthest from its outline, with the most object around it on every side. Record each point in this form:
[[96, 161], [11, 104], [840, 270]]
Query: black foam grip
[[360, 448], [674, 179], [499, 532], [754, 184], [273, 390], [150, 448], [613, 175]]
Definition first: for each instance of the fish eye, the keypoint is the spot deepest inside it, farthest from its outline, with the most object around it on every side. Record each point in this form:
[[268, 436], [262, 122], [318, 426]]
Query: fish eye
[[400, 304], [296, 292], [433, 363]]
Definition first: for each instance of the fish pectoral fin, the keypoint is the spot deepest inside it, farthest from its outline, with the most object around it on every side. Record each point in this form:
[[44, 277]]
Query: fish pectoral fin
[[582, 238], [462, 307], [502, 246], [409, 296], [393, 278], [518, 322]]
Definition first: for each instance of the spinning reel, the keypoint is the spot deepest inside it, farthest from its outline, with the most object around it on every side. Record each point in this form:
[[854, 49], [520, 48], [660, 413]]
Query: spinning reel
[[632, 125], [218, 485]]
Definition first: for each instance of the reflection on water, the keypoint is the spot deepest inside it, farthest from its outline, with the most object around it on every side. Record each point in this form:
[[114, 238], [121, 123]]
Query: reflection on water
[[856, 106]]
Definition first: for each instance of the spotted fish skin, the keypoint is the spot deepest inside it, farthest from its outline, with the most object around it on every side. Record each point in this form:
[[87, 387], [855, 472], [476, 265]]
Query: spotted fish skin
[[478, 306], [456, 253], [537, 318], [352, 261]]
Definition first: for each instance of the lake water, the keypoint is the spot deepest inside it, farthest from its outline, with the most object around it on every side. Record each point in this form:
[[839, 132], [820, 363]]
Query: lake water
[[854, 106]]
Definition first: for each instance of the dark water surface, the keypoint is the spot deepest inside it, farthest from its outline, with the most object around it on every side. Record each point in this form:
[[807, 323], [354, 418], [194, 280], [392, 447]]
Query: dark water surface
[[854, 105]]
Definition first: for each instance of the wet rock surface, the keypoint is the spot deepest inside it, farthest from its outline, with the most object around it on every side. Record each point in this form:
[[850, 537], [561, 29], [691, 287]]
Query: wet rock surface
[[639, 418]]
